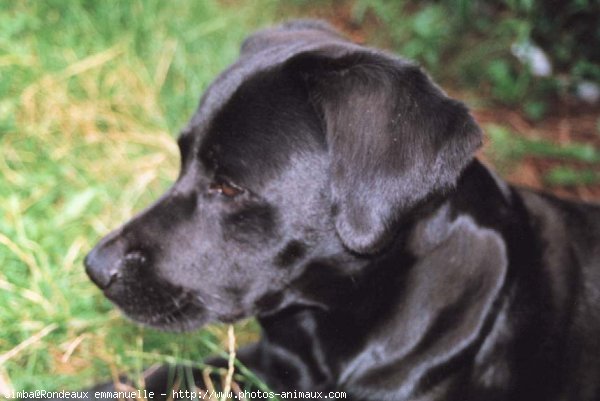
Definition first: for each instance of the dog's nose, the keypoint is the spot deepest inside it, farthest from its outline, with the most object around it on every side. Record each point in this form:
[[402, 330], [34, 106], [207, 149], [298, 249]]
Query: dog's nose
[[105, 263], [101, 268]]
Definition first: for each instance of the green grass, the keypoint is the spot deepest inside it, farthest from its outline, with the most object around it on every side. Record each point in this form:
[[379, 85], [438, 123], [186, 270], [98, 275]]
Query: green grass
[[508, 145], [566, 176], [506, 148], [92, 94]]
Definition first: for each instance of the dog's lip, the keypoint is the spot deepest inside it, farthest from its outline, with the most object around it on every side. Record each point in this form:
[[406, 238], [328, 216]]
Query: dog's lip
[[180, 306], [186, 314], [233, 317], [229, 316]]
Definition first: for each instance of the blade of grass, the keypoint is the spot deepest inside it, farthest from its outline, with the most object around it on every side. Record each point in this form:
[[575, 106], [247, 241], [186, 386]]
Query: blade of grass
[[27, 343], [565, 176], [510, 146]]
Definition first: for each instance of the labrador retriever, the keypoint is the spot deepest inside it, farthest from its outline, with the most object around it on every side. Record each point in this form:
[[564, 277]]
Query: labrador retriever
[[331, 190]]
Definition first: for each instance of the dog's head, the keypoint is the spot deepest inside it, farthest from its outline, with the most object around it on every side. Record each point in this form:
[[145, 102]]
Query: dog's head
[[305, 155]]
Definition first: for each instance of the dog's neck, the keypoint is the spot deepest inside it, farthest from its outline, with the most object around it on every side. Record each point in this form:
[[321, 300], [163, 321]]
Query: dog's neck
[[446, 273]]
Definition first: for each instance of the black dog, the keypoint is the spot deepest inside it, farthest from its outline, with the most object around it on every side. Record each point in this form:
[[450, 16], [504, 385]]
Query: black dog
[[330, 190]]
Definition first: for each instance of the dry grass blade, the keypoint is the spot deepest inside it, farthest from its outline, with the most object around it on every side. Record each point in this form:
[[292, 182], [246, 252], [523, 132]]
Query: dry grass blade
[[231, 362], [26, 258], [6, 387], [210, 387], [160, 75], [30, 341], [71, 348], [92, 61]]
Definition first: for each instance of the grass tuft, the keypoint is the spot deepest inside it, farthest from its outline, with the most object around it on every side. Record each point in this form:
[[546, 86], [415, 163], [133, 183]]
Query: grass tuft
[[91, 97]]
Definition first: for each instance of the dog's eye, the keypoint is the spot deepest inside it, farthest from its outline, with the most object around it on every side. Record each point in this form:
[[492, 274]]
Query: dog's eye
[[224, 188]]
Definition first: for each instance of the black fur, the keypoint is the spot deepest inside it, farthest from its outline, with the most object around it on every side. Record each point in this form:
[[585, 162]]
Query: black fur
[[380, 258]]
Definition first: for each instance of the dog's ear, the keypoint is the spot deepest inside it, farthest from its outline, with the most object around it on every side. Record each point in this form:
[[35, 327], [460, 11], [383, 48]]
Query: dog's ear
[[394, 138]]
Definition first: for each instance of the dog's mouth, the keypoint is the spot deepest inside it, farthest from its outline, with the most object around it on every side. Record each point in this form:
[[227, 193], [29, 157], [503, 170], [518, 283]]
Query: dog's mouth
[[158, 304], [185, 311], [233, 316], [182, 317]]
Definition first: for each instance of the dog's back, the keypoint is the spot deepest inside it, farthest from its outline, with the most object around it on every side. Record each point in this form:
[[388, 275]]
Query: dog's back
[[570, 250]]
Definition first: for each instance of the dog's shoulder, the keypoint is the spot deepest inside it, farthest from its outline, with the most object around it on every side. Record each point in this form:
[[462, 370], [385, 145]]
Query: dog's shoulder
[[566, 224]]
